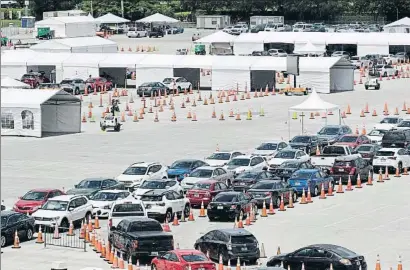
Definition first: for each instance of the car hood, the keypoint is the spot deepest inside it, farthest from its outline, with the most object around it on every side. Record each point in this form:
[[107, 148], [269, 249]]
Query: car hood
[[178, 171], [264, 152], [384, 126], [216, 162], [21, 203], [277, 161], [48, 213], [134, 178], [346, 143], [81, 191], [141, 191], [192, 180], [236, 168], [296, 145], [67, 85], [100, 204]]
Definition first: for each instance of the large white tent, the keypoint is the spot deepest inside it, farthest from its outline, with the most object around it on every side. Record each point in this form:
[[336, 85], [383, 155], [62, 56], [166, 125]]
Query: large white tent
[[14, 63], [7, 82], [35, 113], [158, 18], [217, 37], [77, 45], [67, 27], [110, 18], [309, 48], [400, 26]]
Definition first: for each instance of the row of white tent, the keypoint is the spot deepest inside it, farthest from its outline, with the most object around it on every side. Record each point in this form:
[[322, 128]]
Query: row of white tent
[[325, 74], [367, 43], [110, 18]]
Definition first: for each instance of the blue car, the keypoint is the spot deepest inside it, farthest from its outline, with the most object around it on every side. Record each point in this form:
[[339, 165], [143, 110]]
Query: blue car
[[180, 168], [312, 178]]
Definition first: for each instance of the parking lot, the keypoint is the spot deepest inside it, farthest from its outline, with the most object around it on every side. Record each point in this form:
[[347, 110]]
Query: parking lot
[[371, 221]]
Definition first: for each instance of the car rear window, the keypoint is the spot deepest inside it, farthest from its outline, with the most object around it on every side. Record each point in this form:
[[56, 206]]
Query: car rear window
[[365, 148], [263, 185], [396, 136], [385, 154], [343, 163], [127, 207], [194, 258], [330, 150], [146, 226], [226, 198], [243, 239], [151, 198]]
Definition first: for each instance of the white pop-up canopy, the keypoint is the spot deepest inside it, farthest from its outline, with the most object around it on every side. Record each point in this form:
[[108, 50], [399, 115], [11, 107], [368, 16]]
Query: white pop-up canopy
[[33, 112], [7, 82], [110, 18], [310, 48], [400, 26], [158, 18], [217, 37]]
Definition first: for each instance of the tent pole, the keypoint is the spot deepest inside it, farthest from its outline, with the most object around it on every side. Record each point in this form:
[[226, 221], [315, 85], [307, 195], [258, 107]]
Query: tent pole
[[340, 118], [326, 118], [303, 116], [289, 124]]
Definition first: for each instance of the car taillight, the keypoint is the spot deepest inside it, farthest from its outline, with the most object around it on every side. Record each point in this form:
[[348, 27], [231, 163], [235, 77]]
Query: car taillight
[[233, 206], [207, 195], [185, 175], [110, 223], [331, 170], [135, 244], [394, 158], [268, 194], [352, 171]]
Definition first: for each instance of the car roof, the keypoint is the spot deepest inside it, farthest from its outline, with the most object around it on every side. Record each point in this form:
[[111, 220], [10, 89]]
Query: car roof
[[308, 170], [230, 192], [111, 191], [186, 251], [6, 213], [207, 168], [273, 141], [187, 160], [335, 126], [43, 189], [208, 181], [226, 152], [351, 135], [66, 79], [244, 156], [139, 218], [330, 247], [367, 144], [235, 232], [290, 150], [130, 200], [97, 179], [390, 149], [65, 197], [143, 164]]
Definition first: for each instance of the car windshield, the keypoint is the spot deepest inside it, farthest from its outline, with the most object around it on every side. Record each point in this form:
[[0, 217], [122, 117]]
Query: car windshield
[[329, 131], [237, 26], [348, 139], [146, 226], [343, 252], [135, 171], [220, 156], [146, 84], [364, 148], [3, 221], [168, 80], [181, 165], [154, 185], [66, 81], [28, 76], [34, 196], [201, 173], [395, 136], [285, 155], [194, 258], [55, 205], [404, 124], [377, 132], [333, 150], [385, 154], [302, 174], [243, 239], [267, 146], [91, 80], [90, 184], [289, 165], [248, 175], [201, 186], [389, 120], [301, 139], [226, 198], [263, 185], [105, 196], [239, 162]]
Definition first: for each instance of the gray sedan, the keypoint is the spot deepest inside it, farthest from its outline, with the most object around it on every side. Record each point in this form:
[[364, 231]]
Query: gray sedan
[[207, 172]]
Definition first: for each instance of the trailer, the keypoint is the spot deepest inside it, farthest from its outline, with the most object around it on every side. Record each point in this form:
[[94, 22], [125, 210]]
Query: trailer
[[259, 20]]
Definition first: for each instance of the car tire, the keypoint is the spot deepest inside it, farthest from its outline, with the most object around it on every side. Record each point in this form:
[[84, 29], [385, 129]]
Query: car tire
[[29, 234], [278, 201], [385, 74], [211, 218], [99, 88], [89, 89], [255, 210], [187, 209], [168, 216], [228, 182], [88, 217], [153, 267], [253, 262], [179, 89], [400, 167], [316, 192], [3, 241], [64, 223], [77, 91], [295, 196]]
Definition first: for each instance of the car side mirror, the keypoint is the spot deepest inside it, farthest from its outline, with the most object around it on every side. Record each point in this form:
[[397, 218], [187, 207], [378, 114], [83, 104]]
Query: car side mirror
[[76, 186], [70, 209], [167, 187], [113, 228], [265, 168]]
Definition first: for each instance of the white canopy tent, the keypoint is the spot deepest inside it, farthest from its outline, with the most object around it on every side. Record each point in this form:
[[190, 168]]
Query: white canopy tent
[[400, 26], [246, 43], [7, 82], [83, 65], [314, 103], [158, 18], [14, 62], [309, 48], [77, 45], [34, 113], [69, 26], [110, 18], [217, 37]]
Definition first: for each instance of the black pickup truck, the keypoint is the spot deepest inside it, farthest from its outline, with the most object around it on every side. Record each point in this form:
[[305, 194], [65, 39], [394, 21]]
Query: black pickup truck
[[140, 237]]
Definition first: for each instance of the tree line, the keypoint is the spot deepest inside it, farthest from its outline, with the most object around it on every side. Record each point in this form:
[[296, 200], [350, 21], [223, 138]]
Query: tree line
[[294, 10]]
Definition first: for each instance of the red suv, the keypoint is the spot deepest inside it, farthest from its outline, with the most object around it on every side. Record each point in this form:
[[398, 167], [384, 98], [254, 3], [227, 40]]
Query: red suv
[[32, 200], [98, 83], [34, 79], [353, 140], [205, 191]]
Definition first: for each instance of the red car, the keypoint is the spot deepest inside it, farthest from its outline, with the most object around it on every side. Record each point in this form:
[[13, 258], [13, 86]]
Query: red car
[[32, 200], [98, 83], [34, 79], [182, 259], [205, 191], [353, 140]]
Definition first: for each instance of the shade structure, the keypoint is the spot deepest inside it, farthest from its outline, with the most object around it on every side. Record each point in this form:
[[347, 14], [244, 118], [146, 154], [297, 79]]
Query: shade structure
[[34, 112], [7, 82], [310, 48], [314, 103], [158, 18], [110, 18], [77, 45], [217, 37]]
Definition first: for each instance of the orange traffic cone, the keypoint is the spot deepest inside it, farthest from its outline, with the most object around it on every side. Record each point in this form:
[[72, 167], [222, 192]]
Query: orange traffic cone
[[213, 113], [103, 249], [405, 172], [220, 264], [191, 216], [238, 116], [358, 181], [322, 192], [71, 229], [264, 213], [303, 199], [175, 222], [115, 260], [39, 236], [166, 227], [396, 111], [348, 110], [282, 204], [240, 222], [290, 204], [378, 267], [248, 219], [16, 243], [56, 232], [108, 256], [380, 177], [309, 196], [238, 264], [349, 184], [202, 210], [340, 187], [231, 114], [397, 174], [362, 114], [271, 209], [404, 109], [330, 190], [366, 108], [399, 265], [386, 174], [374, 113], [369, 180], [96, 223]]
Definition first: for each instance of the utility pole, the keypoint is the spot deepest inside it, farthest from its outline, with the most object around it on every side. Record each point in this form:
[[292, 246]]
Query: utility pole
[[91, 8], [122, 8]]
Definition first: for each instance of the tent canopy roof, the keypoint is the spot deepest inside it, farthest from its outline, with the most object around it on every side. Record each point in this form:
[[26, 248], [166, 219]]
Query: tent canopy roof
[[8, 82], [65, 20], [68, 43], [312, 104], [111, 18], [46, 59], [33, 98], [233, 62], [321, 64], [402, 22], [191, 61], [159, 61], [18, 57], [217, 37], [310, 48], [274, 63], [121, 60], [158, 17]]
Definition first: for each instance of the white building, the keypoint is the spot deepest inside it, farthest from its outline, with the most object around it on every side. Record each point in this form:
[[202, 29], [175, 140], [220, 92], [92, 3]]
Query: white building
[[212, 21]]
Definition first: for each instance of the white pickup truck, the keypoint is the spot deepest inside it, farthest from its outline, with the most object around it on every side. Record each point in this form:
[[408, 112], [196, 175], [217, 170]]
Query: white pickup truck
[[329, 154]]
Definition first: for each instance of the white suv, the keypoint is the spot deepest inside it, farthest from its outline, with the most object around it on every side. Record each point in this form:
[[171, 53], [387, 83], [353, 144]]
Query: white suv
[[63, 209], [403, 125], [104, 199], [137, 172], [177, 83], [135, 33], [392, 158], [128, 207], [241, 164], [151, 184], [163, 204], [220, 158]]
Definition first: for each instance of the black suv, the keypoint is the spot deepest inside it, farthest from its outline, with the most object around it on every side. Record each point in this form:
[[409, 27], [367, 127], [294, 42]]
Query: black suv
[[396, 139], [156, 32]]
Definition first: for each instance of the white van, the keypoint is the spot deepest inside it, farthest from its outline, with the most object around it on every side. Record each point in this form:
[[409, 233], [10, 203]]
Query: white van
[[274, 27], [128, 207]]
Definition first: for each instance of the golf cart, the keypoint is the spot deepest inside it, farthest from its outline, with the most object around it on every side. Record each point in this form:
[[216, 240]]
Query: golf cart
[[372, 83], [200, 49], [112, 120]]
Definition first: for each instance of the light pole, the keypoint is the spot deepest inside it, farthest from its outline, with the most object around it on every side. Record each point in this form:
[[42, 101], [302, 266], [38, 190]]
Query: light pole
[[91, 8], [122, 8]]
